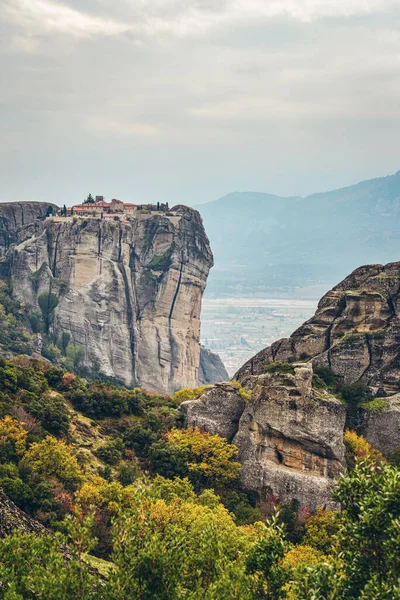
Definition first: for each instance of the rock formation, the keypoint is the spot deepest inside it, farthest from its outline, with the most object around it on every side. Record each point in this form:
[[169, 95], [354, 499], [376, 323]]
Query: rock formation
[[13, 519], [355, 332], [212, 369], [290, 432], [217, 411], [289, 435], [380, 423], [290, 438], [21, 220], [128, 293]]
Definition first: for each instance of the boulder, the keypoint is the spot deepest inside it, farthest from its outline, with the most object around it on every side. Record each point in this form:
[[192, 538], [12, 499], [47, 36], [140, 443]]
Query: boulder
[[217, 411]]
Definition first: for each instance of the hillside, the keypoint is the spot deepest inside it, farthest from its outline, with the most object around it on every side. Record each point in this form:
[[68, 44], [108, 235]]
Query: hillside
[[268, 244], [137, 507]]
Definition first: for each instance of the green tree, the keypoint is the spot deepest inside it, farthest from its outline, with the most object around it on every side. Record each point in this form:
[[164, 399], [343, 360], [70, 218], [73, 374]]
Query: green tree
[[47, 303], [89, 200]]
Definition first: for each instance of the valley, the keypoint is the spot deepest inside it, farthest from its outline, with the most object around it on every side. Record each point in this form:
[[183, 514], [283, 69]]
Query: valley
[[237, 328]]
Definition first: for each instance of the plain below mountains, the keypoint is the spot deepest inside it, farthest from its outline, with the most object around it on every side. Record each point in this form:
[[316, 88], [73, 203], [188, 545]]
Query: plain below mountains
[[272, 245]]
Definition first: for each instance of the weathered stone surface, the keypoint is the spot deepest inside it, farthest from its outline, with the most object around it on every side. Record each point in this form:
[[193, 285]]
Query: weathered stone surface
[[129, 293], [12, 519], [217, 411], [381, 424], [21, 220], [290, 439], [212, 368], [355, 331]]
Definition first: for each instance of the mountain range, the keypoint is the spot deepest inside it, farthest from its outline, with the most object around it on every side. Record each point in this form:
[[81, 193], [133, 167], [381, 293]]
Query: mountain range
[[270, 245]]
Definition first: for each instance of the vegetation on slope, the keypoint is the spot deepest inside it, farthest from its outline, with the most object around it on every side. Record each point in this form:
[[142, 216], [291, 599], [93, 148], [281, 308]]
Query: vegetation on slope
[[160, 509]]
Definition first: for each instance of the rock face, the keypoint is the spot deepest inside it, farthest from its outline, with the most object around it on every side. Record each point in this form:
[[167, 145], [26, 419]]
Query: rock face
[[12, 519], [212, 368], [381, 424], [129, 293], [217, 411], [355, 331], [21, 220], [290, 439], [289, 436]]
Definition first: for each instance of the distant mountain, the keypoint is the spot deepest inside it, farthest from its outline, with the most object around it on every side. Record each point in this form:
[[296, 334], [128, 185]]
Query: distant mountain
[[269, 244]]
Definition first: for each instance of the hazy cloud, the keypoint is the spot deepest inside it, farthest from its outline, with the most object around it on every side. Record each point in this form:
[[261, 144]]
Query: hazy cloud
[[189, 99]]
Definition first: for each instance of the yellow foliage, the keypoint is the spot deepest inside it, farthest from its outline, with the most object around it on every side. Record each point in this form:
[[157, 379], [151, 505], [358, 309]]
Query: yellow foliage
[[320, 529], [53, 459], [302, 556], [13, 431], [189, 394], [195, 520], [242, 391], [208, 455], [100, 493], [357, 448]]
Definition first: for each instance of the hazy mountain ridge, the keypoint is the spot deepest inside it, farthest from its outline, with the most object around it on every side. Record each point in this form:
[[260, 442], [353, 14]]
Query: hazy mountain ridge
[[263, 243]]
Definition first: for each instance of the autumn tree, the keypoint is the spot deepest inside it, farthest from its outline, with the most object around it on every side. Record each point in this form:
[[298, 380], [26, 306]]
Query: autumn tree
[[206, 459]]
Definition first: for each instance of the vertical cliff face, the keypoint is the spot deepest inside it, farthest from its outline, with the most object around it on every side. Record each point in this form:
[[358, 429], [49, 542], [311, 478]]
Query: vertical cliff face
[[21, 220], [129, 293]]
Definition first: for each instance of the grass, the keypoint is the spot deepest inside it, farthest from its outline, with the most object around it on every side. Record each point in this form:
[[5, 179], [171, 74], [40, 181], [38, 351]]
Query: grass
[[279, 367], [376, 404], [36, 274], [150, 275], [104, 567]]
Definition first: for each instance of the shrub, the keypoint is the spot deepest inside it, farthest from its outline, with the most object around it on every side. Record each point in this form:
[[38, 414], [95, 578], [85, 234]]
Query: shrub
[[50, 410], [189, 394], [111, 452], [357, 448], [47, 303], [320, 530], [53, 460], [279, 367], [204, 458]]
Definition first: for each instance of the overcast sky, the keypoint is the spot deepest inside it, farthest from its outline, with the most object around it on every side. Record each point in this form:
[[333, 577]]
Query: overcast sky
[[187, 100]]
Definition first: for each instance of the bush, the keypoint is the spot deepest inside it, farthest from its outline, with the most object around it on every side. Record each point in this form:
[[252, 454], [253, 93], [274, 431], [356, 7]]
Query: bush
[[202, 457], [111, 452], [357, 448], [189, 394], [279, 367], [128, 472], [50, 410]]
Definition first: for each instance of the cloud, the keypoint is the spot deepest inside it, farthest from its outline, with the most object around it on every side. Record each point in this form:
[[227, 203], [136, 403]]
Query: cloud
[[178, 17], [197, 96], [41, 15]]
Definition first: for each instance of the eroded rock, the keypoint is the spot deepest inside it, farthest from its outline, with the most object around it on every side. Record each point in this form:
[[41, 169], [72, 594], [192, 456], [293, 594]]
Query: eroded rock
[[381, 423], [355, 332], [129, 293], [217, 411], [212, 369], [290, 439]]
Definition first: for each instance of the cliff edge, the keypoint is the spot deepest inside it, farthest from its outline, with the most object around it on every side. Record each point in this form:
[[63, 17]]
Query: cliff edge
[[126, 291]]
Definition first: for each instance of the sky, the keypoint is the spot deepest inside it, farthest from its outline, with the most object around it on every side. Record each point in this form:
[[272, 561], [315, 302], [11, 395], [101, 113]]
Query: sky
[[187, 100]]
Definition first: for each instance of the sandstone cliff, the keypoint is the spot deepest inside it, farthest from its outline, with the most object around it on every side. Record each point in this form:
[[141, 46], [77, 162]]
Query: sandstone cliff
[[129, 293], [356, 333], [290, 432], [21, 220], [289, 435]]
